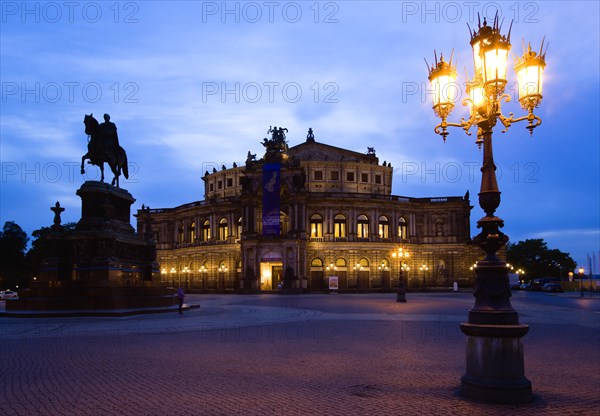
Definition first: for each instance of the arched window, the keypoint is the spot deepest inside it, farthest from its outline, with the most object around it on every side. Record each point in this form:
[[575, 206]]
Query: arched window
[[180, 235], [223, 229], [402, 228], [340, 262], [439, 227], [384, 227], [206, 230], [339, 226], [192, 232], [316, 226], [362, 226], [363, 264], [385, 265], [316, 262]]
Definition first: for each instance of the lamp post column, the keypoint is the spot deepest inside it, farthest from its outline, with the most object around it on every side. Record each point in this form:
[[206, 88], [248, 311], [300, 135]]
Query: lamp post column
[[400, 253], [495, 359], [401, 294]]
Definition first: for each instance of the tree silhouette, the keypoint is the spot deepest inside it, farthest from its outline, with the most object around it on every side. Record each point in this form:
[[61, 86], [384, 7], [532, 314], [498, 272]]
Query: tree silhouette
[[537, 260], [13, 242], [40, 246]]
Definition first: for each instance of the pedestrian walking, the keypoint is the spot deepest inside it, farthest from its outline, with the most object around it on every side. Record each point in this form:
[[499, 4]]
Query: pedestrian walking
[[180, 296]]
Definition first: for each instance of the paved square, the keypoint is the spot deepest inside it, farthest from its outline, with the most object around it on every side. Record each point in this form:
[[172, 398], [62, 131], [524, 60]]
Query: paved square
[[292, 355]]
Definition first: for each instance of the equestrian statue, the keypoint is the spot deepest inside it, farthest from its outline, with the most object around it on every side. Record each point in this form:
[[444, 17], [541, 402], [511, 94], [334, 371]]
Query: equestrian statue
[[103, 146]]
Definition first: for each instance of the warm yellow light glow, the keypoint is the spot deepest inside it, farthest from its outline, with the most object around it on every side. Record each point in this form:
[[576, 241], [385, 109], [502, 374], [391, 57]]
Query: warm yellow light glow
[[443, 85], [477, 56], [495, 60], [529, 69], [476, 96]]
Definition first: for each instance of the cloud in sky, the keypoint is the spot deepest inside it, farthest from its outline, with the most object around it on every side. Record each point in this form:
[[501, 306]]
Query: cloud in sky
[[196, 84]]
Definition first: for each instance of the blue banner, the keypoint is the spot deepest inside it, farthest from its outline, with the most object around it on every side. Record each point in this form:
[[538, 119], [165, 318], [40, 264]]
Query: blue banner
[[271, 199]]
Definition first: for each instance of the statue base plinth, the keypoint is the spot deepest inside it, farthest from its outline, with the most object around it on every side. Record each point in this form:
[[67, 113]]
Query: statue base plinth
[[495, 364], [75, 297], [101, 265]]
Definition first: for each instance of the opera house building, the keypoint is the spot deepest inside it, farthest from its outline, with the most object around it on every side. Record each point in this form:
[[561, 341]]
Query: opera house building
[[300, 215]]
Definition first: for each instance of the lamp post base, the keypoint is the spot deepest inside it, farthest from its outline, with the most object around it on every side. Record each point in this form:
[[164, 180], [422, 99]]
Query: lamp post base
[[495, 365], [401, 296]]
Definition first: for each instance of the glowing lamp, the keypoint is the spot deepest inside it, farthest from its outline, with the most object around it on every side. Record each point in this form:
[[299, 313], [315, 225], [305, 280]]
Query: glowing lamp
[[494, 52], [529, 69], [476, 95], [443, 84]]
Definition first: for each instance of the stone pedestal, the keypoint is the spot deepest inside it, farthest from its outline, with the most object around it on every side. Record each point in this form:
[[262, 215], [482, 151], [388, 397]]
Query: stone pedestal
[[495, 359], [495, 364], [102, 265]]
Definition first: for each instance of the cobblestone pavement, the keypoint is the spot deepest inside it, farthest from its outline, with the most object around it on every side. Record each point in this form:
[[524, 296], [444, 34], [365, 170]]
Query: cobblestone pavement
[[290, 355]]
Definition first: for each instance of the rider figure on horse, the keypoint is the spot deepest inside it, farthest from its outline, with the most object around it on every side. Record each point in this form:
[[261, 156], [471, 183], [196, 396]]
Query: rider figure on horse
[[103, 147], [110, 144]]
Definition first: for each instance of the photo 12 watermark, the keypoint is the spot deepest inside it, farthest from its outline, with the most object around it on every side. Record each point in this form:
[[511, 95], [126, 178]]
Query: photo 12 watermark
[[456, 92], [270, 92], [270, 11], [468, 11], [54, 172], [466, 172], [69, 92], [36, 12]]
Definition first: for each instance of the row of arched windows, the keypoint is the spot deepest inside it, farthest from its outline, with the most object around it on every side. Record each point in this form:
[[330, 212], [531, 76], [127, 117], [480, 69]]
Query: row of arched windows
[[363, 264], [191, 234], [363, 226]]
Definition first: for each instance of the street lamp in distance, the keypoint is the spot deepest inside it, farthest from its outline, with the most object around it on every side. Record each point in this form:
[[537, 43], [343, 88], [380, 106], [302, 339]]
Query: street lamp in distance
[[401, 253]]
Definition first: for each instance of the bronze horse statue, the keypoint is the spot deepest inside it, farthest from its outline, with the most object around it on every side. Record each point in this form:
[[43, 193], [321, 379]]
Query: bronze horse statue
[[101, 150]]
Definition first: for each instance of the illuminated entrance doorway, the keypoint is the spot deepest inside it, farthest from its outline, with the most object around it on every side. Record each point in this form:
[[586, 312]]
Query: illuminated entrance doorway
[[271, 275]]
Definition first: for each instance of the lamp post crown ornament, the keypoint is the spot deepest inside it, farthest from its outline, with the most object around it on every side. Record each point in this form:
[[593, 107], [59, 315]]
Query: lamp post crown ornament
[[486, 88]]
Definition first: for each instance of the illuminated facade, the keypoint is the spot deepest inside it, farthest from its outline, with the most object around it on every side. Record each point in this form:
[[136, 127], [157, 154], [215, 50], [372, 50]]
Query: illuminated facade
[[302, 214]]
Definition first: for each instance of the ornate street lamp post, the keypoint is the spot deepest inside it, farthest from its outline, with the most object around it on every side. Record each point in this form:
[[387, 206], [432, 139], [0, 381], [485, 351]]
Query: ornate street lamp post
[[186, 275], [581, 271], [173, 276], [222, 270], [202, 270], [424, 268], [401, 253], [495, 365]]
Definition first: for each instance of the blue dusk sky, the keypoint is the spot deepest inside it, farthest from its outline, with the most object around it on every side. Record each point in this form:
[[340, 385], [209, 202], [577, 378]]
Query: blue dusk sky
[[193, 85]]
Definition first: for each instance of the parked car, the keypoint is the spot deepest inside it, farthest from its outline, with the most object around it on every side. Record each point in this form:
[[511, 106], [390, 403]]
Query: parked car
[[552, 287], [516, 286], [8, 294], [524, 286]]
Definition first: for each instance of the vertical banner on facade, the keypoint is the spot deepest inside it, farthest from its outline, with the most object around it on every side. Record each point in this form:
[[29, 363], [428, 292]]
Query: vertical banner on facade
[[271, 198]]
